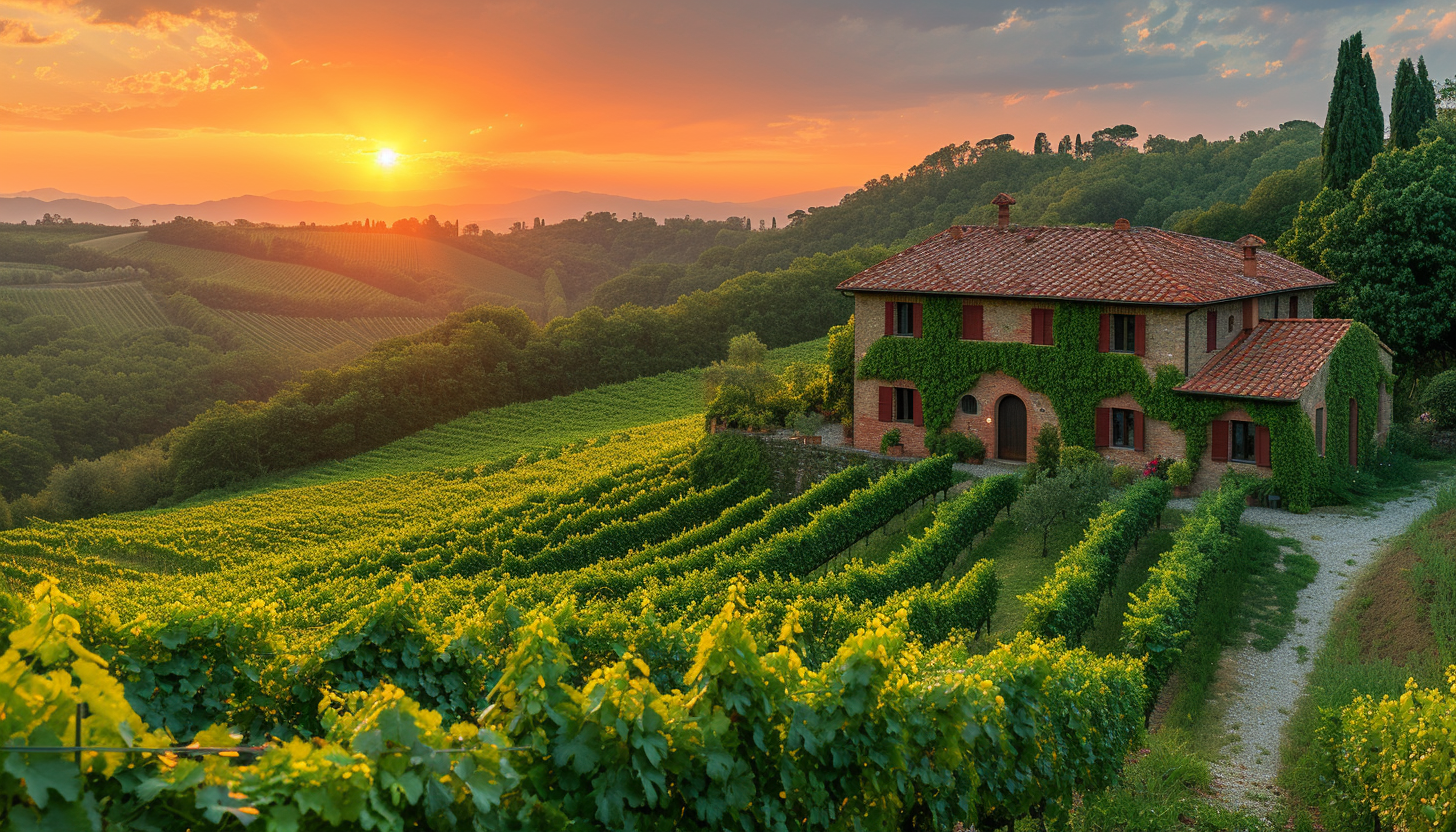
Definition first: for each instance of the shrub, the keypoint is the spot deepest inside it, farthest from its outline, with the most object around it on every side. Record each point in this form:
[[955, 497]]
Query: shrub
[[891, 437], [807, 424], [1122, 475], [1076, 456], [1048, 451], [1439, 399], [4, 515], [1180, 473], [1157, 467], [958, 445]]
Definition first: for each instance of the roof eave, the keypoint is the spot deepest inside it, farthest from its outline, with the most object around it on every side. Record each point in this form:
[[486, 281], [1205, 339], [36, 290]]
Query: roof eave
[[1244, 396], [1078, 299]]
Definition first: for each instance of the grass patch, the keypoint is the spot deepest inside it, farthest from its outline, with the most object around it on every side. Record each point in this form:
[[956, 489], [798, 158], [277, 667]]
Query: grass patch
[[1019, 565], [1397, 622], [1163, 788]]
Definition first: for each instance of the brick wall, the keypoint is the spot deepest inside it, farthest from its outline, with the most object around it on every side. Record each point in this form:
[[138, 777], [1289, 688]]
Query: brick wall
[[1209, 471], [1159, 439]]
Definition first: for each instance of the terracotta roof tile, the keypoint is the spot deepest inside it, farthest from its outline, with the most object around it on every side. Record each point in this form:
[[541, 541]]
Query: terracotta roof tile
[[1140, 265], [1275, 361]]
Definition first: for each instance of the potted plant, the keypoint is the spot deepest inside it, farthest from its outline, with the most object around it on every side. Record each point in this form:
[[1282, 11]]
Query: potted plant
[[1180, 474], [890, 443]]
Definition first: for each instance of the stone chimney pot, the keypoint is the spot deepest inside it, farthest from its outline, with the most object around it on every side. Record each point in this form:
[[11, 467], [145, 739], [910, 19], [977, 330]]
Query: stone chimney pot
[[1122, 225], [1003, 203], [1251, 245]]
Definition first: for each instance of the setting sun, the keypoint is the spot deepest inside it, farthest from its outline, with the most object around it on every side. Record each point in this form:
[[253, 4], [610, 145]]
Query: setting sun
[[386, 158]]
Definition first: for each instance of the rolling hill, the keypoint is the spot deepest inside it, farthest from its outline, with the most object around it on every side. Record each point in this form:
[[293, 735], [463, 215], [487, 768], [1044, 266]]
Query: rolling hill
[[478, 277], [114, 308]]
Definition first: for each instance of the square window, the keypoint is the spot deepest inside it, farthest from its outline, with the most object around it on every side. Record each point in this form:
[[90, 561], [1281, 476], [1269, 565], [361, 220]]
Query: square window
[[904, 404], [1241, 441], [905, 319], [1124, 333], [1123, 422]]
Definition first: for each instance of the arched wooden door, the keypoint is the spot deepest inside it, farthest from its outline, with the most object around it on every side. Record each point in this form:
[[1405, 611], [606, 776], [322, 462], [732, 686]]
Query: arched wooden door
[[1011, 429]]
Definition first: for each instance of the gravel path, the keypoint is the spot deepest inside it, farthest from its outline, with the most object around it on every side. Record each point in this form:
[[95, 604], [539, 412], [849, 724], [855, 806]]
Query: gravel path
[[1263, 687]]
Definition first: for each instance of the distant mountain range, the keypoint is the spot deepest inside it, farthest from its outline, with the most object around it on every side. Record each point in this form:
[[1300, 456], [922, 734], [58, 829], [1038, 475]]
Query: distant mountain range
[[334, 207]]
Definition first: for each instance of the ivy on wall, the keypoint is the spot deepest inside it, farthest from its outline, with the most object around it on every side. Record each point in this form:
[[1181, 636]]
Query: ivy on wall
[[1075, 377]]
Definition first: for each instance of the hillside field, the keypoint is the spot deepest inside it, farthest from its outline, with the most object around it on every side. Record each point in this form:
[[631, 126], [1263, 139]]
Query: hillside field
[[114, 308], [418, 256]]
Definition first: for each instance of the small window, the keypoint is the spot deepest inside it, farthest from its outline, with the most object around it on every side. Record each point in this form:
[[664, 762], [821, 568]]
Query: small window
[[1124, 333], [1241, 441], [970, 406], [1319, 429], [1231, 323], [1122, 429], [905, 319], [1294, 306], [904, 404]]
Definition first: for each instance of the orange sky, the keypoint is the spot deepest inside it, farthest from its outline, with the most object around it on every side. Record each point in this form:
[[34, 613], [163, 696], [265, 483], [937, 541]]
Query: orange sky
[[165, 102]]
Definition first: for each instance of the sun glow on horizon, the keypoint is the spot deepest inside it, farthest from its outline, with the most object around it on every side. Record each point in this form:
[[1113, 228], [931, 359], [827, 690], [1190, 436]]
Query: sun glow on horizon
[[386, 158]]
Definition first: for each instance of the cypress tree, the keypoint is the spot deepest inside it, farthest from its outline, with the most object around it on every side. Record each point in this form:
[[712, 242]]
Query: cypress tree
[[1354, 124], [1041, 145], [1065, 146], [1425, 92], [1078, 147], [1406, 110]]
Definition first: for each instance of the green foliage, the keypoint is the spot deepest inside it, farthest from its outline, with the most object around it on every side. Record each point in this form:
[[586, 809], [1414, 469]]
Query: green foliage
[[839, 398], [889, 439], [1387, 244], [1047, 501], [958, 445], [1354, 124], [807, 424], [724, 457], [1268, 212], [1048, 451], [1155, 626], [1407, 109], [1066, 605], [1075, 456], [1439, 399], [1180, 473]]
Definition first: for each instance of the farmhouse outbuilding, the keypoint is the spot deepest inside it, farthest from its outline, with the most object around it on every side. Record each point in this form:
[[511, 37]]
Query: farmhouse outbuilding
[[1138, 342]]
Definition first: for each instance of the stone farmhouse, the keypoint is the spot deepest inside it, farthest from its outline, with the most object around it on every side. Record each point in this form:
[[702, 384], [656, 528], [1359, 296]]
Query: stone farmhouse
[[1175, 344]]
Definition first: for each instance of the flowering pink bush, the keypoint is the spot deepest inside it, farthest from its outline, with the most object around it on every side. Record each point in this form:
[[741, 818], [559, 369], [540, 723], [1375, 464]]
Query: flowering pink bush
[[1157, 467]]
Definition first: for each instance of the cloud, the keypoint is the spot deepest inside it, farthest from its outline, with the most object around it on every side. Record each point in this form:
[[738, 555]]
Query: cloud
[[20, 33], [138, 12], [1445, 27]]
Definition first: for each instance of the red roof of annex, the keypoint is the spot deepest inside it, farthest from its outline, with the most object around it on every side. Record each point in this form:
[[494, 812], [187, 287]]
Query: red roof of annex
[[1132, 265], [1277, 360]]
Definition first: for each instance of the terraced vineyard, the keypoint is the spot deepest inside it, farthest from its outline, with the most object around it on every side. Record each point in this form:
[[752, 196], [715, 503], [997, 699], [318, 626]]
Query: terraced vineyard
[[114, 308], [231, 281], [113, 243], [414, 255], [280, 332]]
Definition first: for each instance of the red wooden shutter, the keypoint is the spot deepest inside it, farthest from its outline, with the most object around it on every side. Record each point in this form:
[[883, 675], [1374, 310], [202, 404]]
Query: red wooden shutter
[[1046, 319], [915, 312], [1036, 326], [1104, 335], [915, 407], [1219, 443], [1137, 427], [1212, 330], [973, 318], [889, 317], [1294, 306], [1103, 428], [1141, 338], [1261, 446], [1354, 433], [887, 404], [1251, 310]]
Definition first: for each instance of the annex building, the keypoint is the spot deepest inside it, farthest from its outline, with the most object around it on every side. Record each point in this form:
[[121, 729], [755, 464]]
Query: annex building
[[1138, 342]]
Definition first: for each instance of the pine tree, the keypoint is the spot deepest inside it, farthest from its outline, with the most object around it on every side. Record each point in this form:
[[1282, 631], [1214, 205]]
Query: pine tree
[[1042, 145], [1406, 111], [1065, 146], [1354, 124]]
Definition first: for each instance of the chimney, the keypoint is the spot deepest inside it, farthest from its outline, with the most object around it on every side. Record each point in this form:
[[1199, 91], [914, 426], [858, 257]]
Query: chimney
[[956, 232], [1122, 225], [1003, 205], [1251, 262]]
